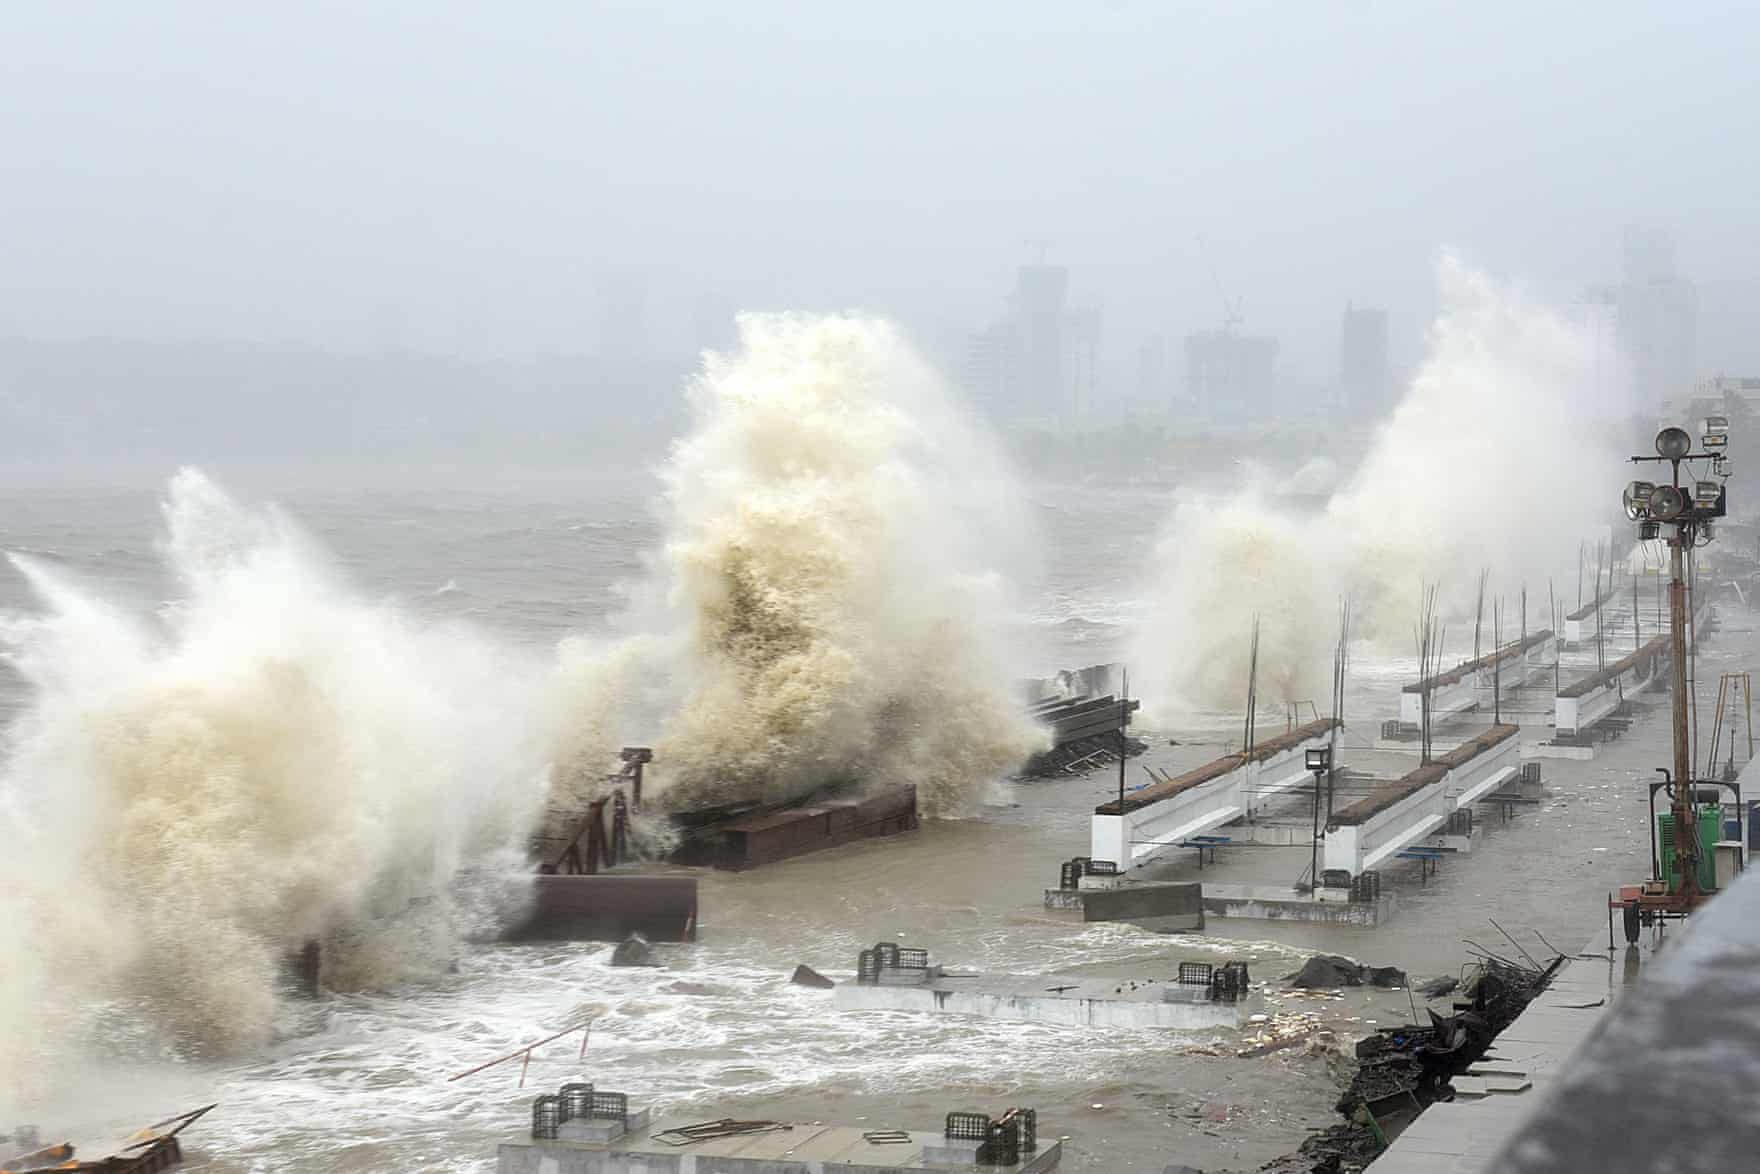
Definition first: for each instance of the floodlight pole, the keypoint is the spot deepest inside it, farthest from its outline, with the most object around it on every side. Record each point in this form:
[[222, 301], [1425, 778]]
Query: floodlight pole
[[1686, 834], [1319, 764]]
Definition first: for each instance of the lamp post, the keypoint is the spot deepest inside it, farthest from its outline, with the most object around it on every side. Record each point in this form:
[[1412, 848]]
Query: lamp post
[[1319, 763], [1686, 512]]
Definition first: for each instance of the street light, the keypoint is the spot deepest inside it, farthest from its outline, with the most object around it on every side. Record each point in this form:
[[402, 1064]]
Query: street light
[[1714, 432], [1673, 444], [1667, 502], [1687, 512], [1319, 760], [1637, 499]]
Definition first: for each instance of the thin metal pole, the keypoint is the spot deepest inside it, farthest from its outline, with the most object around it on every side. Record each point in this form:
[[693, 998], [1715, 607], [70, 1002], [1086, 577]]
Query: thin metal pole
[[1124, 718], [1557, 636], [525, 1051], [1685, 834], [1314, 844]]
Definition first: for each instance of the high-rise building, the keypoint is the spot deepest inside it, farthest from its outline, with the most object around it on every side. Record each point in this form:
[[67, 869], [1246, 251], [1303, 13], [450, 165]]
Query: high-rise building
[[1041, 359], [1081, 361], [1038, 310], [1658, 318], [1364, 378], [986, 370], [1231, 376]]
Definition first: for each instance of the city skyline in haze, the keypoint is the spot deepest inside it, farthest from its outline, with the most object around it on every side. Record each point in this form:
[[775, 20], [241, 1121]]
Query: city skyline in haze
[[459, 181]]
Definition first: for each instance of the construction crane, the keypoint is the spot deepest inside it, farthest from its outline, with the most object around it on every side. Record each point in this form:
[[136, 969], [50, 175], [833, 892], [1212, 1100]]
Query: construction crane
[[1231, 308]]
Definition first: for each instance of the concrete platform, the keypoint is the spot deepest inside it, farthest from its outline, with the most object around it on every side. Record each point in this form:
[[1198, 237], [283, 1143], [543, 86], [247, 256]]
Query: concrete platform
[[1064, 1000], [1559, 750], [1162, 906], [792, 1149], [1281, 903]]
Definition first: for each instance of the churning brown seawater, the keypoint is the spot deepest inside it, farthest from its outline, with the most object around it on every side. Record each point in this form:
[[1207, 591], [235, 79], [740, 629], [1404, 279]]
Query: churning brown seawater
[[357, 1082]]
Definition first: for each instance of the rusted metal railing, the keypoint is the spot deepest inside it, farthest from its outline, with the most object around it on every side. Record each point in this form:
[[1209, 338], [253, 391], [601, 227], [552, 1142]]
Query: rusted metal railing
[[524, 1055]]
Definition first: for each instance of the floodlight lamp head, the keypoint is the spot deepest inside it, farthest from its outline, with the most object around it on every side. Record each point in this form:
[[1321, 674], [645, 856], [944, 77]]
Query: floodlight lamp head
[[1320, 759], [1637, 499], [1705, 492], [1647, 531], [1667, 503], [1673, 443], [1714, 426]]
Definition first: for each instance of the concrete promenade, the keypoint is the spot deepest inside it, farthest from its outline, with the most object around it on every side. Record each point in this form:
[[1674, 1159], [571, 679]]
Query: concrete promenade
[[787, 1149], [1067, 1000], [1524, 1066]]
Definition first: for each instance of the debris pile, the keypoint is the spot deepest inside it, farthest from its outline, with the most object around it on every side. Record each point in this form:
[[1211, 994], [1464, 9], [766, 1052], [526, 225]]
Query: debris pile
[[1081, 756], [144, 1151], [634, 951], [1281, 1030], [1402, 1070], [1331, 971]]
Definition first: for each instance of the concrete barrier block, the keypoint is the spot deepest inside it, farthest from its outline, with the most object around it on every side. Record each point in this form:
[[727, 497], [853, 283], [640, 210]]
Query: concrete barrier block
[[1172, 906]]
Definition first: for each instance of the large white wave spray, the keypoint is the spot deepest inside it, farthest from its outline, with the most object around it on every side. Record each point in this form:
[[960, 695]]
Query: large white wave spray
[[269, 760], [1497, 458], [832, 523]]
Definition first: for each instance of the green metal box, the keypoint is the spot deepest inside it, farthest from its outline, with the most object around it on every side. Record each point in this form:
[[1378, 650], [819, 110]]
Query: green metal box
[[1710, 831]]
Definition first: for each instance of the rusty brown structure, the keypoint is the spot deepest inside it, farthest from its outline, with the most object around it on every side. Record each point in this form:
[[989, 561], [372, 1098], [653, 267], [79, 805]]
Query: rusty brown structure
[[146, 1151], [575, 898], [608, 907], [764, 835]]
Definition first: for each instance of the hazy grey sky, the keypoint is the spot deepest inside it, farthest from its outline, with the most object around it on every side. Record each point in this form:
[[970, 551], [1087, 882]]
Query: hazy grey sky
[[468, 176]]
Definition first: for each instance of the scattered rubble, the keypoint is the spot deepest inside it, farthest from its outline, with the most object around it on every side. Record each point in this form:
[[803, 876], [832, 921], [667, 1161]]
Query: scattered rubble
[[1281, 1030], [1437, 987], [634, 951], [1402, 1070], [1331, 971], [805, 975], [1081, 756], [1387, 977]]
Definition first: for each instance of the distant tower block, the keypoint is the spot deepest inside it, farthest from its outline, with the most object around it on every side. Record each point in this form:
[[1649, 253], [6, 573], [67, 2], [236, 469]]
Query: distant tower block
[[1365, 382]]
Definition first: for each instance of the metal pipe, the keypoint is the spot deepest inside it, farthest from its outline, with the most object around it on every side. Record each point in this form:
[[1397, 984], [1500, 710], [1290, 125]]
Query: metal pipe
[[527, 1052], [1685, 834]]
